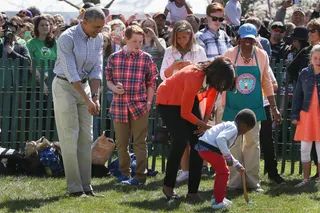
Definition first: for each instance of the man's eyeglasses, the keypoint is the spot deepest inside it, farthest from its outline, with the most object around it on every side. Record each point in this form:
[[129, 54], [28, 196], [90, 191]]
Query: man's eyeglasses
[[278, 30], [215, 18], [312, 30]]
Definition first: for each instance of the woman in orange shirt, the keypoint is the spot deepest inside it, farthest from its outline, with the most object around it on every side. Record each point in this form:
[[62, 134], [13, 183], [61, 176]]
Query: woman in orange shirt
[[178, 100]]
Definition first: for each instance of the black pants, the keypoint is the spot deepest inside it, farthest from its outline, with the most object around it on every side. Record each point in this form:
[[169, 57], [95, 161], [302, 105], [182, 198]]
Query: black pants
[[182, 133], [267, 144]]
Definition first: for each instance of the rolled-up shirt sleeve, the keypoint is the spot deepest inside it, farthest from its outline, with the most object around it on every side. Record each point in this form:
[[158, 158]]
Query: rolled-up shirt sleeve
[[151, 77], [165, 64], [96, 72], [67, 59]]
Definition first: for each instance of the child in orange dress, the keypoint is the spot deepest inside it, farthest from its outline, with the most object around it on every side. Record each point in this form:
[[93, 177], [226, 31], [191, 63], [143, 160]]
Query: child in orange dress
[[306, 112]]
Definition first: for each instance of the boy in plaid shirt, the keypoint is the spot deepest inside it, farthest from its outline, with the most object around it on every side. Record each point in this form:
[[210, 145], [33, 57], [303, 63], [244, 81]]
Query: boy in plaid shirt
[[131, 75]]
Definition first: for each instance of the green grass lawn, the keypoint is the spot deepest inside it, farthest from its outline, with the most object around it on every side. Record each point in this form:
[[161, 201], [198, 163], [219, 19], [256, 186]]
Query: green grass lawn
[[26, 194]]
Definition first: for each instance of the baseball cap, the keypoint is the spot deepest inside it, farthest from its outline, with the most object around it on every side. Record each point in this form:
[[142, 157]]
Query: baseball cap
[[299, 9], [277, 24], [158, 14], [24, 13], [247, 31]]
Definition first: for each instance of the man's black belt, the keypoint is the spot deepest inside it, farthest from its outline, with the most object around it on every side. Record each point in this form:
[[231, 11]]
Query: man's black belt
[[62, 78], [210, 147]]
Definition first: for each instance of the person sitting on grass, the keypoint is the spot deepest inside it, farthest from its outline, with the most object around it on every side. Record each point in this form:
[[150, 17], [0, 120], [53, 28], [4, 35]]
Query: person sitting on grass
[[213, 147]]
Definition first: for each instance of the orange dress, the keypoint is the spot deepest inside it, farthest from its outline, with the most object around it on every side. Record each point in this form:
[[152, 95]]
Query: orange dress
[[308, 128]]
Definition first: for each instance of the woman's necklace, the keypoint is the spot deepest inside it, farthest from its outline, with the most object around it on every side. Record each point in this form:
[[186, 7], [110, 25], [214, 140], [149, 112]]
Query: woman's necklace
[[246, 60]]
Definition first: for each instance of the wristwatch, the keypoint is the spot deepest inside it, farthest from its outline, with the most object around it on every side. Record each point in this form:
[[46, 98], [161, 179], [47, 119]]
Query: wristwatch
[[95, 95]]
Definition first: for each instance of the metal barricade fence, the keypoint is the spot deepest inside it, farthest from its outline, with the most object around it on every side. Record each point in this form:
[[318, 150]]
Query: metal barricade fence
[[27, 113]]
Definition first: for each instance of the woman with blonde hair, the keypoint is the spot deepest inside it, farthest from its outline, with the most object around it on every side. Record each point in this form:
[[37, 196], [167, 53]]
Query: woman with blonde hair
[[183, 52], [152, 44]]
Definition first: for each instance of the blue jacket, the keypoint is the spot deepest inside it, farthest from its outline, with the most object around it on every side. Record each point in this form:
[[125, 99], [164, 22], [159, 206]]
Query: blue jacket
[[303, 92]]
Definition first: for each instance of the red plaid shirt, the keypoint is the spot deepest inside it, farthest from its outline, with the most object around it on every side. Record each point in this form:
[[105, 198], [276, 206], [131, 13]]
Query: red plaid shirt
[[137, 72]]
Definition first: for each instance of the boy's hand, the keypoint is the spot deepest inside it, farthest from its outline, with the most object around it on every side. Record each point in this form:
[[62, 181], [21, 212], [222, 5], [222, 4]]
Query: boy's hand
[[241, 169]]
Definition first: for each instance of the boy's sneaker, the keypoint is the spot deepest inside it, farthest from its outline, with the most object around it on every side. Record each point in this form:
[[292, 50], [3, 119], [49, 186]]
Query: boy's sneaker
[[205, 172], [134, 182], [183, 176], [302, 183], [213, 200], [122, 178], [224, 204]]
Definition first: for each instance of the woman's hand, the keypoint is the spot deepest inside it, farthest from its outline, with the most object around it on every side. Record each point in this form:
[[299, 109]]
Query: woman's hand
[[202, 128], [276, 115], [181, 64], [151, 33], [108, 19], [295, 122], [131, 18]]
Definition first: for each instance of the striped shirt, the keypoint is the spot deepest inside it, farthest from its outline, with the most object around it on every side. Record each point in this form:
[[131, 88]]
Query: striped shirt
[[79, 56], [214, 44], [136, 72]]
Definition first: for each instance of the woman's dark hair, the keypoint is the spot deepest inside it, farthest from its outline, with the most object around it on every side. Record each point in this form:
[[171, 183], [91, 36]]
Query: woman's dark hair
[[246, 116], [220, 74], [49, 41]]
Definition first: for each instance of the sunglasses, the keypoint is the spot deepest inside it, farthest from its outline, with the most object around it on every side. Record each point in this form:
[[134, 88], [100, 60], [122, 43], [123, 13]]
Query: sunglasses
[[312, 30], [278, 30], [215, 18]]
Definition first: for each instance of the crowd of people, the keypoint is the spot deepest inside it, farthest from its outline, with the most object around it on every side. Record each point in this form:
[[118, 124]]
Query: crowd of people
[[210, 78]]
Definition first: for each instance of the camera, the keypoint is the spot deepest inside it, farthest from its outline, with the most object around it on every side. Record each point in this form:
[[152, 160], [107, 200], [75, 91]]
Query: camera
[[113, 17], [8, 32]]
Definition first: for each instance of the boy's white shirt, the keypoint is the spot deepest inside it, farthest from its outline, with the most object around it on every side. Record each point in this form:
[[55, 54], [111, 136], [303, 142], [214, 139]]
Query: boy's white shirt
[[222, 136]]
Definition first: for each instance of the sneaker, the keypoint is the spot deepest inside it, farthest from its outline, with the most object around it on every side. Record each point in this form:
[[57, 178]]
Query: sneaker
[[183, 176], [258, 189], [122, 178], [277, 179], [225, 203], [212, 171], [302, 183], [134, 182], [213, 201], [205, 172]]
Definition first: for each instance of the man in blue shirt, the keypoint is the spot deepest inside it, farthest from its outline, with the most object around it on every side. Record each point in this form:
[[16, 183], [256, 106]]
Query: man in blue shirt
[[233, 12], [79, 61]]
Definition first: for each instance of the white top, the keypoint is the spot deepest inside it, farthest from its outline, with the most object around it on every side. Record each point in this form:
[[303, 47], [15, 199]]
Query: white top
[[273, 79], [222, 136], [176, 13], [196, 55]]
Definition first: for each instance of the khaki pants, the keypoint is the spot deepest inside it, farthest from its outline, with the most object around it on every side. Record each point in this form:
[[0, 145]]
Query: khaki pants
[[248, 153], [140, 131], [74, 125], [218, 111]]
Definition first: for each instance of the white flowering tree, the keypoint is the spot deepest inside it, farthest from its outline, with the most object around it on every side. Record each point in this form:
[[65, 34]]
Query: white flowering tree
[[261, 9]]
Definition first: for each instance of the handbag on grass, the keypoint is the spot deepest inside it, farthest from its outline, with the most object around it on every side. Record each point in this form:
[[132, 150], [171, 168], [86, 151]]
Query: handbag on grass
[[102, 149]]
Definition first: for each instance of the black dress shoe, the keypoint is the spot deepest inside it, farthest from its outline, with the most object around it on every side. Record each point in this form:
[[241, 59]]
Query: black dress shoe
[[277, 179], [174, 196], [93, 194], [78, 194]]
